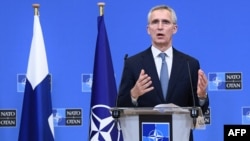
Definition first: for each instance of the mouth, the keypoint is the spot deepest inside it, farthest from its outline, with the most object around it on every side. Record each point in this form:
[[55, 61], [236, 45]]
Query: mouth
[[160, 35]]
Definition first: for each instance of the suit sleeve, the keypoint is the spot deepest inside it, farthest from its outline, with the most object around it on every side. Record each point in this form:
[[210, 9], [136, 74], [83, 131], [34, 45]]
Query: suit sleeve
[[126, 84]]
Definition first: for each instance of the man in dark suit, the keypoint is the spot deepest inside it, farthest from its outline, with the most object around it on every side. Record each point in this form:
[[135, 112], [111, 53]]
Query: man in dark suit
[[140, 84]]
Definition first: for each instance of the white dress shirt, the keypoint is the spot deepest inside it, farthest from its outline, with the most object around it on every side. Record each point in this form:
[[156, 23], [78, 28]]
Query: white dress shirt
[[158, 60]]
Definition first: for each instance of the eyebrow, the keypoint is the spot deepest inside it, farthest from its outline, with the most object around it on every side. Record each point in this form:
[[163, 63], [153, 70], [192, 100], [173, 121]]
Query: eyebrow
[[163, 20]]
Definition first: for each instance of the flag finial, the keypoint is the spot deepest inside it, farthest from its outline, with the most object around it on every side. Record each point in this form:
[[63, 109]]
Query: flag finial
[[101, 7], [36, 7]]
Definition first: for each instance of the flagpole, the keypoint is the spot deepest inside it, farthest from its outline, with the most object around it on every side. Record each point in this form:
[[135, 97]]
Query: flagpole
[[101, 7], [36, 7]]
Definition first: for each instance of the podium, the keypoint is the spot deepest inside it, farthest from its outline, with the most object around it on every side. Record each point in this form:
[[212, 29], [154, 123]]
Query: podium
[[165, 122]]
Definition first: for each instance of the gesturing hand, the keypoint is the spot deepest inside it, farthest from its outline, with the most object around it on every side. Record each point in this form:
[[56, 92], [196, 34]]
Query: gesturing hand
[[142, 85], [202, 84]]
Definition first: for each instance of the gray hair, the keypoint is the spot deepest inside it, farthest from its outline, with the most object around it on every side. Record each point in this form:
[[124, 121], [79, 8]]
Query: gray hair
[[159, 7]]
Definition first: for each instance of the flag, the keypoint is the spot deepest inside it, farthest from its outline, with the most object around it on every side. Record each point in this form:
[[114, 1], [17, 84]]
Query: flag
[[103, 127], [37, 119]]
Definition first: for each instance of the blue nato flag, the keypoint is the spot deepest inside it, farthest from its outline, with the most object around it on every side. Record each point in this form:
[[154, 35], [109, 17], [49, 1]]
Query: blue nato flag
[[37, 119], [102, 125]]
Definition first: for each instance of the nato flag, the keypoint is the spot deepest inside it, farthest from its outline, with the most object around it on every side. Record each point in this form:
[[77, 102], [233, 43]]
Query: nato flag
[[103, 127]]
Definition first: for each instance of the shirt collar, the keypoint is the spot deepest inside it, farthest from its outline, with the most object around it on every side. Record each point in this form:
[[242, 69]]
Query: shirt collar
[[156, 51]]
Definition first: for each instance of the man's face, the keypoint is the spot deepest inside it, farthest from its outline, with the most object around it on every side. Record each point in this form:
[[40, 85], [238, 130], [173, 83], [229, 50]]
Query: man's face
[[161, 28]]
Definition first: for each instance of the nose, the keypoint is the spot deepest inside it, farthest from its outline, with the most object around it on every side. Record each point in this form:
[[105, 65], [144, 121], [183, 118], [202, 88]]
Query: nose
[[160, 25]]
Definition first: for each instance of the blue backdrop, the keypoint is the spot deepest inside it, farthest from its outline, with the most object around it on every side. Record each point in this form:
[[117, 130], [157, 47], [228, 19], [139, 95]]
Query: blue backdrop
[[215, 32]]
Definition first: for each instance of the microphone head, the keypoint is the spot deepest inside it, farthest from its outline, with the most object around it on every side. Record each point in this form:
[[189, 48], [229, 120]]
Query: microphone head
[[194, 113], [116, 114], [126, 56]]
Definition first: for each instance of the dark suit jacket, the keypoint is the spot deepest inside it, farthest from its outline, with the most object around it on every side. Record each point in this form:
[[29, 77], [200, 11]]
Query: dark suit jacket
[[179, 89]]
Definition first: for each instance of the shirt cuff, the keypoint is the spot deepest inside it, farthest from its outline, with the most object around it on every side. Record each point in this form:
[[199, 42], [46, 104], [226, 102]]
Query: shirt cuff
[[202, 100], [134, 101]]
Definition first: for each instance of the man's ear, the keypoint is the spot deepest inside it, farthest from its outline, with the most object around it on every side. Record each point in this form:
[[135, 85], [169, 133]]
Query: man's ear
[[148, 30], [175, 29]]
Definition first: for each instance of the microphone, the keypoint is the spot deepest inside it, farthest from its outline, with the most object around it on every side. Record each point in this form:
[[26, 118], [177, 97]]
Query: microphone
[[116, 112], [125, 57], [194, 111]]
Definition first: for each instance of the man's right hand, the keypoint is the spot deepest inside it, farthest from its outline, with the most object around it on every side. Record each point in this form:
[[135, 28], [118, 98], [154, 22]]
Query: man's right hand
[[142, 85]]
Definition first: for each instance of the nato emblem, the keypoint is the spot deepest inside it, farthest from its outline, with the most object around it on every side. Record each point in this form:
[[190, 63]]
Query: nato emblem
[[87, 82], [155, 131], [246, 115], [21, 80]]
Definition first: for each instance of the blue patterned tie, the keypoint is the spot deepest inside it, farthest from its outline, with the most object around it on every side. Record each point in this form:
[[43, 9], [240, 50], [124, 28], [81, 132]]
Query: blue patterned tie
[[164, 75]]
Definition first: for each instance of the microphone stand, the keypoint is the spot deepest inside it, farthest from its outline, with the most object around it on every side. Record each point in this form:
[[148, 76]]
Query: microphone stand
[[116, 112], [194, 111]]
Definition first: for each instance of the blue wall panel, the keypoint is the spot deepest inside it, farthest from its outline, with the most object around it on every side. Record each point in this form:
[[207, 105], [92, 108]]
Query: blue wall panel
[[215, 32]]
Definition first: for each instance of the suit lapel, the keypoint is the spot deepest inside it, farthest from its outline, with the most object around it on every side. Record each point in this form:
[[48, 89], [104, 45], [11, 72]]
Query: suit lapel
[[150, 69], [177, 69]]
